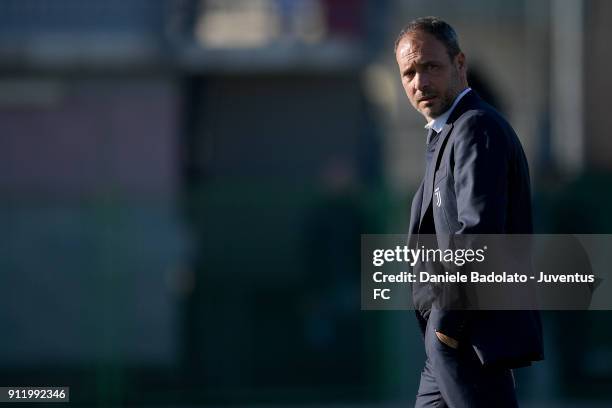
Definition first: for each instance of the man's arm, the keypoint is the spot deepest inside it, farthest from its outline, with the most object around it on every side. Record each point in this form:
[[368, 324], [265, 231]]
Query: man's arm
[[481, 184], [481, 175]]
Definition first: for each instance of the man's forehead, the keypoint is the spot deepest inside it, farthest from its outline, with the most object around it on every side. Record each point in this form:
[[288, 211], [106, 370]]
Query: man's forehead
[[419, 46]]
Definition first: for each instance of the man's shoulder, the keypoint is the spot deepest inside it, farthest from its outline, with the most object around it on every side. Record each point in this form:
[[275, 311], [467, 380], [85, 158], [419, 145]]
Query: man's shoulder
[[482, 125], [480, 113], [478, 118]]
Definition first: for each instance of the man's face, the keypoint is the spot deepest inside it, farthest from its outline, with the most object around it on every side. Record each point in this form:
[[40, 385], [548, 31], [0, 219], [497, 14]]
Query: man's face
[[430, 78]]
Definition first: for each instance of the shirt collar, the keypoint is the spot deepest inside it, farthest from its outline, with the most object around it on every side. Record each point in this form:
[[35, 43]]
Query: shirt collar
[[438, 123]]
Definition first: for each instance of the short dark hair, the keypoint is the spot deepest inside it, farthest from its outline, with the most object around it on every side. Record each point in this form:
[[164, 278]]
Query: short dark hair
[[436, 27]]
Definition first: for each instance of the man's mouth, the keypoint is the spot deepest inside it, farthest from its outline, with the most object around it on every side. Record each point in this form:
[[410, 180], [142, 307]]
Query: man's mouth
[[427, 98]]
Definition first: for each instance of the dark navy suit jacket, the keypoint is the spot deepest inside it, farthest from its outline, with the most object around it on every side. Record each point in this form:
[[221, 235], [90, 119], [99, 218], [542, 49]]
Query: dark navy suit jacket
[[478, 183]]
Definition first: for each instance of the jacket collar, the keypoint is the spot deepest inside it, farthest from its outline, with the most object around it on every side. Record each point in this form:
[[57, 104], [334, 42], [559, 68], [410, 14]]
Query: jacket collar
[[469, 101]]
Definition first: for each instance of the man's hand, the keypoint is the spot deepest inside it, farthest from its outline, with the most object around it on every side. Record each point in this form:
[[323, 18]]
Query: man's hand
[[449, 341]]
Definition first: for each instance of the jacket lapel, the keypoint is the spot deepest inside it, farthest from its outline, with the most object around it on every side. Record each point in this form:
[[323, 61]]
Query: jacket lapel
[[415, 214], [431, 171]]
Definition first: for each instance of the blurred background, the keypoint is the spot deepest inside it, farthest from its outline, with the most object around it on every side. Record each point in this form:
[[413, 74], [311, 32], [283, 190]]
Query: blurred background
[[183, 185]]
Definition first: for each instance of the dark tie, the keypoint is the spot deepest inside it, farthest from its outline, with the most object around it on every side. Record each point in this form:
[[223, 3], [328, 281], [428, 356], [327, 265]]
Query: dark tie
[[432, 141], [431, 134]]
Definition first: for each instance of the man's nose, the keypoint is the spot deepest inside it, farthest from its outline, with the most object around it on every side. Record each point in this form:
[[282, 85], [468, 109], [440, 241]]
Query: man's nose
[[421, 81]]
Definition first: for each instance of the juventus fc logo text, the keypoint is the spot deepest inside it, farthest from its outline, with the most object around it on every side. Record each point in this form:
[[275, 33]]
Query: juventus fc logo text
[[438, 197]]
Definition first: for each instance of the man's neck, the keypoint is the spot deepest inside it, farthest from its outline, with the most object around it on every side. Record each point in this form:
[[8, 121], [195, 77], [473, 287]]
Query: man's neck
[[438, 123]]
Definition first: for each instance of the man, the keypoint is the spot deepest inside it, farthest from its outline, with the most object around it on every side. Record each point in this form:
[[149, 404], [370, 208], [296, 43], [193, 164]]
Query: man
[[476, 182]]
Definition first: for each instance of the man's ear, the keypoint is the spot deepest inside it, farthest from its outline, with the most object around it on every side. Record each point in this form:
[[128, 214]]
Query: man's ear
[[460, 61]]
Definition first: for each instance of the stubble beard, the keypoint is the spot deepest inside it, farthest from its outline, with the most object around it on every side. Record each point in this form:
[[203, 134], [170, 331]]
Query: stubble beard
[[448, 98]]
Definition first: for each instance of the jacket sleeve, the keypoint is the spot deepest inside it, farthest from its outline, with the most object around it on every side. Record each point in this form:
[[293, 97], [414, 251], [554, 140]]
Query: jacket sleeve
[[481, 175], [481, 184]]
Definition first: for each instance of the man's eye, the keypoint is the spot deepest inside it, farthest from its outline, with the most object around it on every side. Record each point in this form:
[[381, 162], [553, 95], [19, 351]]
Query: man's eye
[[433, 67]]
